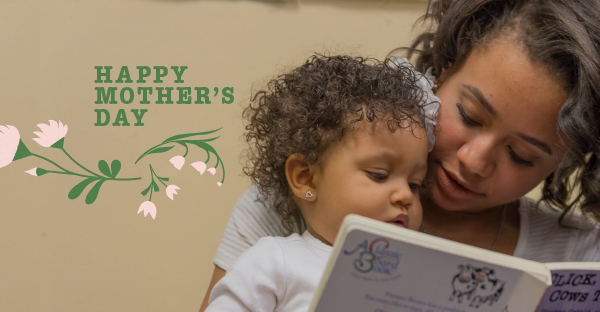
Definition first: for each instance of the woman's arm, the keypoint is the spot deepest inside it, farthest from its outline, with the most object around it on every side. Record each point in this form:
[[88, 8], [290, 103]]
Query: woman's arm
[[218, 274]]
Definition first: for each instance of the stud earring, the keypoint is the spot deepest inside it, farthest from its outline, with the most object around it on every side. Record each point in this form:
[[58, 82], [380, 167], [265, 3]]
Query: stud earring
[[309, 194]]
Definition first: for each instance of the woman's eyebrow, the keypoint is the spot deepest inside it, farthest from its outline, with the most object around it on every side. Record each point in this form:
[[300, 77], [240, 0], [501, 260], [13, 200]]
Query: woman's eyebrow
[[480, 98], [486, 104], [533, 141]]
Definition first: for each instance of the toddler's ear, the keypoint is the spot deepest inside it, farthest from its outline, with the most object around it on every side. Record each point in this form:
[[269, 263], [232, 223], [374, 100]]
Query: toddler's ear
[[300, 176]]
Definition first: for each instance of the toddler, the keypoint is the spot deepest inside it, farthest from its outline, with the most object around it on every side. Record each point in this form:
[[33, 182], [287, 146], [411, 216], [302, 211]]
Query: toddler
[[337, 135]]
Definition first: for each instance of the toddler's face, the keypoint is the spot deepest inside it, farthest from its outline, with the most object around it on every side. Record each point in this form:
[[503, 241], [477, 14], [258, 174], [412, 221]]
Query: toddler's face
[[371, 172]]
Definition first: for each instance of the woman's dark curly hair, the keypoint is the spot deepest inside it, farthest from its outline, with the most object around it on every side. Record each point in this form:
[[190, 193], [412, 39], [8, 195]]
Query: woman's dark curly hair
[[564, 35], [305, 110]]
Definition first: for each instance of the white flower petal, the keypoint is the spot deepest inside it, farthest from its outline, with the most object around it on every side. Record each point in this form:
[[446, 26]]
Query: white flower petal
[[172, 190], [148, 207], [9, 142], [200, 166], [212, 170], [32, 171], [177, 161], [50, 133], [219, 184]]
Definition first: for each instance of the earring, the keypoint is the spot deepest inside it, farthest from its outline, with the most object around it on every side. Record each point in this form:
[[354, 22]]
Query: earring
[[309, 194]]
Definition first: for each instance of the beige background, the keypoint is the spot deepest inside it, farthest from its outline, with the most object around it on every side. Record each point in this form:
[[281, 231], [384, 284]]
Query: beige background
[[58, 254]]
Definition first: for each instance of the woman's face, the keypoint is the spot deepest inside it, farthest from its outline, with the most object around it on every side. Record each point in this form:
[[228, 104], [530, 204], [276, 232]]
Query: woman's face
[[497, 137]]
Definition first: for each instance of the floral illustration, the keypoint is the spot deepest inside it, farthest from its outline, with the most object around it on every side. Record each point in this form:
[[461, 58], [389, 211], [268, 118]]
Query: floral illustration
[[53, 135]]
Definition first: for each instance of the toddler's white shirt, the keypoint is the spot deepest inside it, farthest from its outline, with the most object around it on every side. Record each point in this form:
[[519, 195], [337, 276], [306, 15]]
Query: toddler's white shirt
[[276, 274]]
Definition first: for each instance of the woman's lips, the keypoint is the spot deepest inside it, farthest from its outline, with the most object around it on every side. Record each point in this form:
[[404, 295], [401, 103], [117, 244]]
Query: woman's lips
[[452, 188]]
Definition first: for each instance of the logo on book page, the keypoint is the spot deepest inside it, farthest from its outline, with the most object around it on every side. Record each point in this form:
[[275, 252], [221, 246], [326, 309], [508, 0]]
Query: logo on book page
[[476, 285], [375, 257]]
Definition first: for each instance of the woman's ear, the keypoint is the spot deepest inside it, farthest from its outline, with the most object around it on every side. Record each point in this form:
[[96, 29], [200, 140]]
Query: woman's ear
[[446, 72], [300, 177]]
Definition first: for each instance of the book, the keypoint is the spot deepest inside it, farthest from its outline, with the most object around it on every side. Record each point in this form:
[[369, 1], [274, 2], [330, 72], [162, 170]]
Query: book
[[575, 288], [380, 267]]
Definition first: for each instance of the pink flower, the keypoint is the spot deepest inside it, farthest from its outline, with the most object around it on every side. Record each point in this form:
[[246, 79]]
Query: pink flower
[[219, 184], [200, 166], [51, 133], [148, 207], [177, 161], [9, 142], [172, 190], [33, 171], [212, 170]]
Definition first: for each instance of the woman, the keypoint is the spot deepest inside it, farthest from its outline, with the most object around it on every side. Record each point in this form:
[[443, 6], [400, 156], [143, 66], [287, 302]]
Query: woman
[[519, 84]]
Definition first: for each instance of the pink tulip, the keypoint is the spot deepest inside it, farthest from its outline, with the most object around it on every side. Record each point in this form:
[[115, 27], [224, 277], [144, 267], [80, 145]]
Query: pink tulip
[[148, 207]]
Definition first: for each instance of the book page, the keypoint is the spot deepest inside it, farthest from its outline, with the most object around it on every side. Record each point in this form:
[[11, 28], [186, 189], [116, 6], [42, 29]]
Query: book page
[[572, 290], [374, 273]]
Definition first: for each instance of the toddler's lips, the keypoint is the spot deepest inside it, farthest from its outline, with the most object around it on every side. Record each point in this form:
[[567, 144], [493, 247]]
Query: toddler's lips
[[401, 221]]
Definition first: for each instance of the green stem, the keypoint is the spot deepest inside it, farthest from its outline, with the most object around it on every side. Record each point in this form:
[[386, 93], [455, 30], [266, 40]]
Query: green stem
[[124, 179], [186, 149], [78, 164], [146, 152], [50, 161], [157, 177], [69, 173]]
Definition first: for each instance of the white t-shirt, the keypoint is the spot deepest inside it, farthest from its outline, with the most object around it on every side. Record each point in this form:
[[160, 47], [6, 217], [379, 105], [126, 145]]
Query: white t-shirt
[[276, 274], [540, 239]]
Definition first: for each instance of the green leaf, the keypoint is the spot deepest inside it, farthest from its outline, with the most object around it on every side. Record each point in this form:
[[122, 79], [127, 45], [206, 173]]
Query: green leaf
[[22, 151], [103, 166], [196, 142], [77, 189], [203, 145], [181, 136], [115, 167], [161, 150], [164, 179], [155, 186], [91, 196], [144, 192]]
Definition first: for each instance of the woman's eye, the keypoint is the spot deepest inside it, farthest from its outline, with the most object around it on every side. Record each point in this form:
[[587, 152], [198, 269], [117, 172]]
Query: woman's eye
[[379, 177], [517, 159], [468, 121]]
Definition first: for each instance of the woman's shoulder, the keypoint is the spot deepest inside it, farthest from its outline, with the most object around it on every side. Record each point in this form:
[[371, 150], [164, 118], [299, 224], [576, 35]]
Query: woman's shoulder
[[545, 240]]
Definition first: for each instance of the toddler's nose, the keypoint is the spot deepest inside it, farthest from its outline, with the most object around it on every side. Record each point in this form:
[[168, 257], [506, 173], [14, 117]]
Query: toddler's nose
[[403, 195]]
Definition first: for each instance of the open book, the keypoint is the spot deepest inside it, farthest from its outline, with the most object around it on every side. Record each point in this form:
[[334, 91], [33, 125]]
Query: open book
[[575, 287], [379, 267]]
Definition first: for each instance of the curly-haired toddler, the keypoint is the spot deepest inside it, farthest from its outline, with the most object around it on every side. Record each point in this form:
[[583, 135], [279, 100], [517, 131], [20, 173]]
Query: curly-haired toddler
[[335, 136]]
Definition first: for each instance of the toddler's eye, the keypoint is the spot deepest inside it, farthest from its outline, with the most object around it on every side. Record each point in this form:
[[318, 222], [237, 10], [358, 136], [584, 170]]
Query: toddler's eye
[[378, 177], [414, 186]]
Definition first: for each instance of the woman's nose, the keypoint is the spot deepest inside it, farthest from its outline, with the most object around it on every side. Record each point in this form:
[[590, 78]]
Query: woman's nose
[[478, 156]]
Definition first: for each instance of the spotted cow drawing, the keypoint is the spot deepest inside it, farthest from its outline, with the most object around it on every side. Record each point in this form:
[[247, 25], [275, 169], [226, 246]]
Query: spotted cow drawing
[[477, 285], [464, 283], [489, 288]]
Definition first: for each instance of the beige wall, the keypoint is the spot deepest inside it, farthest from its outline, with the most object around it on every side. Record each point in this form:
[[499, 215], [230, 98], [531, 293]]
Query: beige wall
[[58, 254]]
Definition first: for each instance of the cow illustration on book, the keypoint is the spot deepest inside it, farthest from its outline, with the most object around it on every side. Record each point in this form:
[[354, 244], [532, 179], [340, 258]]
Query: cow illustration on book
[[479, 285], [489, 287], [464, 284]]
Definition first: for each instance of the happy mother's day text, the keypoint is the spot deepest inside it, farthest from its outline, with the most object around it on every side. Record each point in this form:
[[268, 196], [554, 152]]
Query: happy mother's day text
[[145, 95]]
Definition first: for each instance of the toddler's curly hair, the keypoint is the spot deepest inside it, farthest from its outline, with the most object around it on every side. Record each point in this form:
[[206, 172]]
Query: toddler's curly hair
[[305, 110]]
